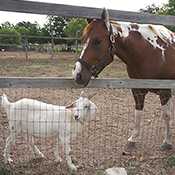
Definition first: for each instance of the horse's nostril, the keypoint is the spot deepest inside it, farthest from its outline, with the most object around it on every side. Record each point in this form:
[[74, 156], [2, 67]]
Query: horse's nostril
[[79, 76]]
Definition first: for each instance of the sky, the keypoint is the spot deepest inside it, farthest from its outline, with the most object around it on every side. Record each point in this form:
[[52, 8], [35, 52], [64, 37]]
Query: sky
[[127, 5]]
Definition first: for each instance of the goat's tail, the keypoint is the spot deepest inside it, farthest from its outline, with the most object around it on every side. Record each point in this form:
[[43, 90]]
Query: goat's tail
[[4, 100]]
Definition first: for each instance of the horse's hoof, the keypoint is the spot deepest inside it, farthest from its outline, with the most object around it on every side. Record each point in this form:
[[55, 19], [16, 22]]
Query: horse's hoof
[[131, 145], [166, 146]]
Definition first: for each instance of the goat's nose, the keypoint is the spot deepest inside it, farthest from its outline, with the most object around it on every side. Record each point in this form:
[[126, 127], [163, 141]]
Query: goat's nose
[[76, 117]]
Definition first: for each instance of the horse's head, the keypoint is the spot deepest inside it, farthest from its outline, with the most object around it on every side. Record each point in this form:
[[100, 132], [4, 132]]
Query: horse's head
[[97, 50]]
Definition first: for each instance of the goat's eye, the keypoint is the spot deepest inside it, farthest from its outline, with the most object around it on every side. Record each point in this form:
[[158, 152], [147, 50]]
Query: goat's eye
[[86, 107]]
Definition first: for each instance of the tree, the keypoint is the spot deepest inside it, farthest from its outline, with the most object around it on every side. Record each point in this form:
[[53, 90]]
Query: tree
[[152, 9], [8, 34], [166, 9], [55, 25], [29, 29], [75, 27], [171, 7]]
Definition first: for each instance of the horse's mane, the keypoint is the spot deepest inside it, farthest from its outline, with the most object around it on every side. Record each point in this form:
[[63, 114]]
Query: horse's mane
[[158, 30], [87, 30], [125, 27]]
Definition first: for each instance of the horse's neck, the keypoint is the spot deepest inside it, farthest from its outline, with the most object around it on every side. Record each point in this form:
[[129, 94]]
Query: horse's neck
[[127, 46]]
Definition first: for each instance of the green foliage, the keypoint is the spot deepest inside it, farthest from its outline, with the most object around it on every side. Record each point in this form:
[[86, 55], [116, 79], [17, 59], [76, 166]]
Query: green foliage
[[166, 9], [171, 7], [4, 170], [170, 162], [75, 27], [55, 26], [9, 35], [152, 9], [29, 29]]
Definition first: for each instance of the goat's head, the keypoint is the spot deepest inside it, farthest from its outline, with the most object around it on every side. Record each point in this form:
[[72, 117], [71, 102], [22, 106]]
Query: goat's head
[[83, 108]]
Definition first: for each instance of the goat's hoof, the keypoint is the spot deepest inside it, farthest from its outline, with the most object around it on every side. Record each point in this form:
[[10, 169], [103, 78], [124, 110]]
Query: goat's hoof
[[42, 155], [166, 146], [8, 161], [58, 160], [131, 145], [73, 168]]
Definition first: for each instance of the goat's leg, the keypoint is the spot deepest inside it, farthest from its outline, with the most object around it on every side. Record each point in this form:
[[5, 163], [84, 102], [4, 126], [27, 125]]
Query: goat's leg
[[66, 144], [34, 148], [56, 152], [9, 141]]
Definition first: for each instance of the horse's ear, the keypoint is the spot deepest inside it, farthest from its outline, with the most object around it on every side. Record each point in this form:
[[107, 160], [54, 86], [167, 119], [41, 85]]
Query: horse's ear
[[89, 20], [105, 18]]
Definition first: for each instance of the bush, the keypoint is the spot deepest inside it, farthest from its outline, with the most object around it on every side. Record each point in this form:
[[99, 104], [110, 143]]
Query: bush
[[9, 36]]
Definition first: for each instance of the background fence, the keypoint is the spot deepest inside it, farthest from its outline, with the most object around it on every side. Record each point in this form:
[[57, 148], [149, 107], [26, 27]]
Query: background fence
[[50, 45]]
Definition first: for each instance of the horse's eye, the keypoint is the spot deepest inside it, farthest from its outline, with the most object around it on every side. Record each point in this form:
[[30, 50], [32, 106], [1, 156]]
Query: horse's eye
[[96, 42]]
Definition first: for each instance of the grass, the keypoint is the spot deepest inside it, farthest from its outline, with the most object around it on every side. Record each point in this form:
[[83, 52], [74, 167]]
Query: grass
[[170, 161]]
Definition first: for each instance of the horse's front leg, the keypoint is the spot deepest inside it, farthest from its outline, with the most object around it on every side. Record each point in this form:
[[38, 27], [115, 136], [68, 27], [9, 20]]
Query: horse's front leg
[[166, 114], [139, 97], [136, 130]]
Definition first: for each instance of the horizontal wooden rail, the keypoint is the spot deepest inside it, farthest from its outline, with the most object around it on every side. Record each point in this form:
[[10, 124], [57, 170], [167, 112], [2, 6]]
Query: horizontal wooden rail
[[78, 11], [54, 82]]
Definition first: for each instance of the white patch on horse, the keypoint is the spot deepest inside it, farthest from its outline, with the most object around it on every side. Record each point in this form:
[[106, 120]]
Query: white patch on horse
[[136, 129], [77, 69], [149, 32], [84, 48], [78, 66]]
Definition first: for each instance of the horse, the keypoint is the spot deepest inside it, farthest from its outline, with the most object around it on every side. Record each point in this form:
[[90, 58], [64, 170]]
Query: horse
[[147, 50]]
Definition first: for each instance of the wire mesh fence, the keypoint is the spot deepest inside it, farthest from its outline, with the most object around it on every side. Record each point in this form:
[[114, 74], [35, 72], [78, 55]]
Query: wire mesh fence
[[40, 44], [100, 143]]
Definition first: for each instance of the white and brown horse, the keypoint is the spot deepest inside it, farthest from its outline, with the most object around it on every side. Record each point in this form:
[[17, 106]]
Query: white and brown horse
[[147, 50]]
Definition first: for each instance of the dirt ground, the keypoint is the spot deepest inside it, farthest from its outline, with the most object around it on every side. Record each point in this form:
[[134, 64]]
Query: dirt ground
[[102, 142]]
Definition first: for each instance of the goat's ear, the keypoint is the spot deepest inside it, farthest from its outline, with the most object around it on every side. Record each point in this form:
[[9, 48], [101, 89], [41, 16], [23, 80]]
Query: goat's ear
[[70, 105], [105, 18], [91, 95], [82, 94], [4, 95]]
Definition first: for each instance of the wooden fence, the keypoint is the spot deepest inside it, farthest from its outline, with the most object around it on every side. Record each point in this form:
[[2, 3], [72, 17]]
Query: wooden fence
[[85, 12], [54, 82], [77, 11]]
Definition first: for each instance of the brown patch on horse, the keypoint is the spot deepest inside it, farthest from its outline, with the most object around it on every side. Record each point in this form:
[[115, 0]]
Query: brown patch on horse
[[134, 26]]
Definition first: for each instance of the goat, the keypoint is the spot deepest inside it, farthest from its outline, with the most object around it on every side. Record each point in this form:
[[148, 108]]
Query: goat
[[39, 119]]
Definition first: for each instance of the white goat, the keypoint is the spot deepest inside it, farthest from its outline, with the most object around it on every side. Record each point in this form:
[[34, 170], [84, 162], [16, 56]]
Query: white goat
[[36, 118]]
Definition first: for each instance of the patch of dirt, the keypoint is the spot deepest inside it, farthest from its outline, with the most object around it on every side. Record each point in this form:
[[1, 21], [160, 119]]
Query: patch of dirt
[[102, 141]]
